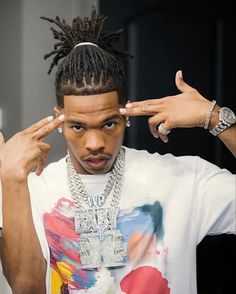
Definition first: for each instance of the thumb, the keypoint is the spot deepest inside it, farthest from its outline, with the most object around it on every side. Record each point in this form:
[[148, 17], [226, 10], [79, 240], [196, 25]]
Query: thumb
[[1, 139], [181, 84]]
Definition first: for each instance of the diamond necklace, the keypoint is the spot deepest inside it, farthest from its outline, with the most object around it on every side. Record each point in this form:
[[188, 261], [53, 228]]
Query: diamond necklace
[[115, 181], [100, 243]]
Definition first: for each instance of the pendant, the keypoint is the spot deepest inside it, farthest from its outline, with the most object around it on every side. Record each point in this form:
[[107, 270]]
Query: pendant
[[95, 219], [102, 249], [96, 200]]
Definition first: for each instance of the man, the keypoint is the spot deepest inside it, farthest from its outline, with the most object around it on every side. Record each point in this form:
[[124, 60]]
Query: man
[[107, 218]]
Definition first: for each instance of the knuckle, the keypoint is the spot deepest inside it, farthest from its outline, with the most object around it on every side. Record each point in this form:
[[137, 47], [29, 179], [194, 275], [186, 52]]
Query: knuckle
[[19, 134], [45, 147], [33, 136], [35, 127], [46, 129]]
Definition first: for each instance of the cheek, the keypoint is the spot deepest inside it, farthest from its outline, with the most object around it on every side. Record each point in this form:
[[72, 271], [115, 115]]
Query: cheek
[[116, 138], [71, 137]]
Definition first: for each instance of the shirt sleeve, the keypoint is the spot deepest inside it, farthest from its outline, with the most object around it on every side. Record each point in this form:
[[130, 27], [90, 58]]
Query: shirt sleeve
[[216, 200]]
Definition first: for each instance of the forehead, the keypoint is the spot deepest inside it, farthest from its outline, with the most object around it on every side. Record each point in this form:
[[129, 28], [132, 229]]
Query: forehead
[[83, 106]]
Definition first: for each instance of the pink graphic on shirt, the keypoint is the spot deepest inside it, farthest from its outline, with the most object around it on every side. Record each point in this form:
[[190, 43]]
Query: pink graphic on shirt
[[143, 280], [64, 250]]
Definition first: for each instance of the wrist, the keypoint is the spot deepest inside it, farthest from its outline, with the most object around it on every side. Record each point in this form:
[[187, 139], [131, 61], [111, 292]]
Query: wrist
[[226, 118], [16, 176]]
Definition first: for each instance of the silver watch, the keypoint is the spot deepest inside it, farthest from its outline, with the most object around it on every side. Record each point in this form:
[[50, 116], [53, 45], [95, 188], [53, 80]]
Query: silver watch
[[226, 118]]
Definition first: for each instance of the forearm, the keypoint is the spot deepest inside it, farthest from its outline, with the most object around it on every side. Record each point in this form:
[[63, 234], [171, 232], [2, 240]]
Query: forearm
[[23, 263]]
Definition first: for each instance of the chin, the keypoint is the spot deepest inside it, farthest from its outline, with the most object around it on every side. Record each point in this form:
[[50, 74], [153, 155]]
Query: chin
[[97, 171]]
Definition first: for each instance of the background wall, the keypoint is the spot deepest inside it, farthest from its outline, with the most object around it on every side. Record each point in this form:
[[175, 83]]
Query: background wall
[[26, 90], [198, 37]]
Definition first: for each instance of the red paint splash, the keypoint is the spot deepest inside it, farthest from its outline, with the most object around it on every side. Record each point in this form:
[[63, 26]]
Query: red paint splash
[[143, 280]]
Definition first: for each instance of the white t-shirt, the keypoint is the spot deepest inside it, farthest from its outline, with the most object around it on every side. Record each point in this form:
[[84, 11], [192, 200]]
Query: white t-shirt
[[168, 205]]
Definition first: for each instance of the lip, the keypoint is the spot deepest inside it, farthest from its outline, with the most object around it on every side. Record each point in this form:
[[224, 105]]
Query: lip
[[97, 163]]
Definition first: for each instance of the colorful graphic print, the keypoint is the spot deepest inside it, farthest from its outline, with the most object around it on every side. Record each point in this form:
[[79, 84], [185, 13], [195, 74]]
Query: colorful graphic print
[[142, 229], [145, 279], [63, 244]]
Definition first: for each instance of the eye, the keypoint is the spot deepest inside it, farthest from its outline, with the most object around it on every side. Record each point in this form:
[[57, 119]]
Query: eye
[[110, 125], [78, 128]]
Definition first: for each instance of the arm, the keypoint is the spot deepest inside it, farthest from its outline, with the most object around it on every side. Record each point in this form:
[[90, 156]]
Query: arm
[[23, 262], [185, 110]]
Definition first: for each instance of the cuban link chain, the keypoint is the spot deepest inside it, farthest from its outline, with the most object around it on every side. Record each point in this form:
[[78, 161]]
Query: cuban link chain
[[100, 243]]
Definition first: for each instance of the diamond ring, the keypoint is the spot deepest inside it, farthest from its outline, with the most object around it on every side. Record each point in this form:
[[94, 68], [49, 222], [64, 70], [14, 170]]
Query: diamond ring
[[162, 130]]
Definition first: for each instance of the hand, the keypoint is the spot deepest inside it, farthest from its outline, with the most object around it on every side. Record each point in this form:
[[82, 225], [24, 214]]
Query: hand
[[185, 110], [26, 150]]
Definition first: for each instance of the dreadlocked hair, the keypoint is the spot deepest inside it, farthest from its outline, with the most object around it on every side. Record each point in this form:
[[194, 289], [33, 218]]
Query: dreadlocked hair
[[86, 69]]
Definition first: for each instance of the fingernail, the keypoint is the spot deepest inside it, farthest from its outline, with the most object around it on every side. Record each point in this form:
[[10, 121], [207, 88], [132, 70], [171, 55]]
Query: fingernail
[[180, 74], [50, 118], [165, 140], [122, 110], [61, 117], [156, 136]]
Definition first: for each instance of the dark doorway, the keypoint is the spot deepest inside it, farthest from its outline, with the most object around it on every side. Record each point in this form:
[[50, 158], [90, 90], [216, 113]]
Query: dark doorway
[[198, 37]]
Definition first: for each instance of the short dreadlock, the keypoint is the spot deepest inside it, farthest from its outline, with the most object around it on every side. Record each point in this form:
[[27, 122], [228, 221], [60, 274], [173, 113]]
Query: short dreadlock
[[86, 70]]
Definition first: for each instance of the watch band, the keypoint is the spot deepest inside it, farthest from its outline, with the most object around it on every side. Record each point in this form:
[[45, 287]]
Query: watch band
[[226, 119], [220, 127]]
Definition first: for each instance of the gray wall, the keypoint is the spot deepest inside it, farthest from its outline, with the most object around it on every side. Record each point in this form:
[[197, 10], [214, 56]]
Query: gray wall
[[26, 90]]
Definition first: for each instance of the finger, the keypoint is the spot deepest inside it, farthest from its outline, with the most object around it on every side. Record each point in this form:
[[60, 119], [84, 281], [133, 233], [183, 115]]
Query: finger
[[41, 164], [42, 159], [153, 101], [48, 128], [154, 122], [141, 109], [1, 139], [33, 128], [163, 137], [181, 84]]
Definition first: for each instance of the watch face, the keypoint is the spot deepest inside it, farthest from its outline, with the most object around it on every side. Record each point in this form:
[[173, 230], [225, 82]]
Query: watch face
[[227, 115]]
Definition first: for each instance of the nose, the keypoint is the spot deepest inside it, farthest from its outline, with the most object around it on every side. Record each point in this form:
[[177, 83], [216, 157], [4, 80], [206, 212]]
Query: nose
[[94, 140]]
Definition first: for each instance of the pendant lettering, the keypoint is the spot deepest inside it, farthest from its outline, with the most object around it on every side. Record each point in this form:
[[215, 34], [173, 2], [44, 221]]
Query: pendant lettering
[[102, 249], [94, 220], [97, 200]]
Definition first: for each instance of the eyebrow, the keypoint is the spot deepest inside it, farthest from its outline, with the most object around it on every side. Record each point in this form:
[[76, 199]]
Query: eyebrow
[[79, 122]]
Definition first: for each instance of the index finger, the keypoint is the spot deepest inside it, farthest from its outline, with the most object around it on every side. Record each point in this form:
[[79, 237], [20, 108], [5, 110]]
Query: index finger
[[142, 108], [33, 128], [48, 128]]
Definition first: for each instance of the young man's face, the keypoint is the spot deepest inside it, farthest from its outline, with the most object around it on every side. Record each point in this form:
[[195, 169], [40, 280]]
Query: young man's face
[[94, 131]]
